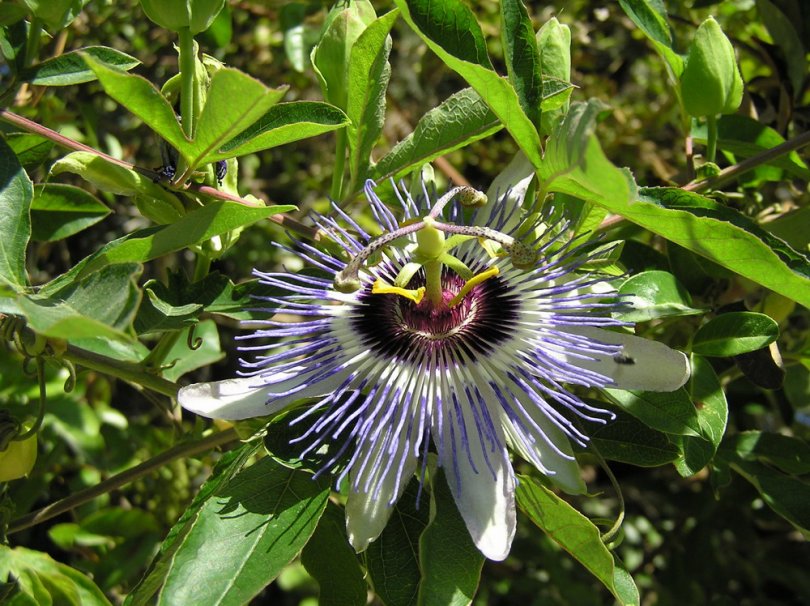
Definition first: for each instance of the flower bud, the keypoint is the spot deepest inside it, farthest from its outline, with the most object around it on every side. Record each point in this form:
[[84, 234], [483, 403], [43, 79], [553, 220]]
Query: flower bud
[[197, 15], [711, 83], [331, 56]]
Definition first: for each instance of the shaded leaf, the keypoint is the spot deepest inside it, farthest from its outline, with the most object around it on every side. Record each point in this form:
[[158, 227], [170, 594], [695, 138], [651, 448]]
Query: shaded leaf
[[15, 221], [393, 559], [628, 440], [522, 57], [368, 76], [331, 561], [59, 211], [449, 560], [577, 535], [670, 412], [733, 333]]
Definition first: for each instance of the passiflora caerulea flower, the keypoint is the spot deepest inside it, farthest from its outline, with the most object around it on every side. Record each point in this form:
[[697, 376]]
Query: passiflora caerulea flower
[[440, 335]]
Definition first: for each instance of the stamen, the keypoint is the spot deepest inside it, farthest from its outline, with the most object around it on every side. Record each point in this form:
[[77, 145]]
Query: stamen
[[472, 283], [381, 288], [468, 196], [347, 280]]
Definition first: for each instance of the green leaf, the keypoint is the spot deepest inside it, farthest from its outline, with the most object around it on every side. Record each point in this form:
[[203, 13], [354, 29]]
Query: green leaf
[[243, 536], [577, 535], [143, 99], [576, 165], [11, 13], [153, 200], [211, 220], [15, 221], [225, 469], [56, 14], [369, 72], [522, 57], [31, 150], [235, 101], [331, 561], [554, 44], [655, 294], [670, 412], [393, 559], [100, 306], [45, 581], [791, 455], [712, 412], [786, 495], [284, 123], [731, 334], [651, 18], [449, 28], [71, 68], [449, 560], [59, 211], [628, 440], [458, 121], [717, 233]]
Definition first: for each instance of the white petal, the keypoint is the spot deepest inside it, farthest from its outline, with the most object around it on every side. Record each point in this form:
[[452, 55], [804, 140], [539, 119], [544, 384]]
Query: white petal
[[486, 503], [643, 364], [247, 397], [366, 516]]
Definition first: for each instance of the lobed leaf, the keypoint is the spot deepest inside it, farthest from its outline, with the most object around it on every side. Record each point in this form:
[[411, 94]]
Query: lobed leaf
[[43, 580]]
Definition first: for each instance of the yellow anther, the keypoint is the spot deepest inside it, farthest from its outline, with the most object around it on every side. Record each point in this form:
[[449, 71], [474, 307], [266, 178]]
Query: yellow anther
[[381, 288], [472, 283]]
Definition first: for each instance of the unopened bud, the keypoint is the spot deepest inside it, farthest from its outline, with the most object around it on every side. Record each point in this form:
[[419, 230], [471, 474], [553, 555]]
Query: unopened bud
[[711, 83]]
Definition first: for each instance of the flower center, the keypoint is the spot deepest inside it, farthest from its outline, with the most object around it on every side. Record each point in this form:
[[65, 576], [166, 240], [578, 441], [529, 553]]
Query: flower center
[[397, 327], [439, 320]]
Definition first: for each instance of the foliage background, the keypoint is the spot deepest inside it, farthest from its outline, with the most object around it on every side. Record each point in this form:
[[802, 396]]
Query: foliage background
[[708, 538]]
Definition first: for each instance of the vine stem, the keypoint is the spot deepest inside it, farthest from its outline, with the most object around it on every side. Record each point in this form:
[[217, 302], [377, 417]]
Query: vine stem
[[186, 449], [32, 127], [732, 172], [340, 163], [711, 138]]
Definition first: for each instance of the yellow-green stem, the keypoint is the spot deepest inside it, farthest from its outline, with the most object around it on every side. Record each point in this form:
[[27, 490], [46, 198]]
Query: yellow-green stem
[[336, 191], [433, 282], [711, 138]]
